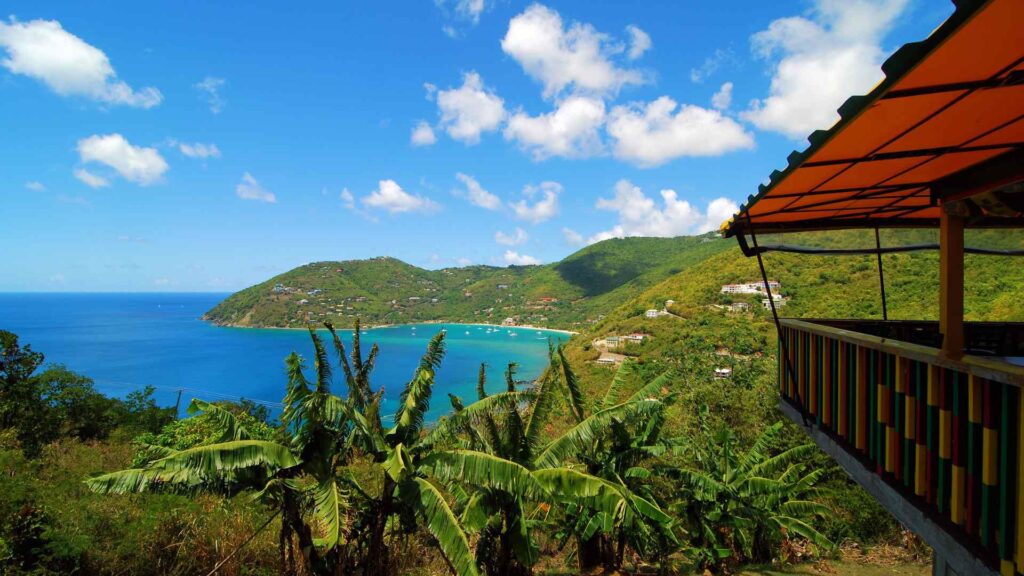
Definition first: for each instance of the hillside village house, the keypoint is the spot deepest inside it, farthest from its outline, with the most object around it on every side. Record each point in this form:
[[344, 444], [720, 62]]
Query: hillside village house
[[750, 288]]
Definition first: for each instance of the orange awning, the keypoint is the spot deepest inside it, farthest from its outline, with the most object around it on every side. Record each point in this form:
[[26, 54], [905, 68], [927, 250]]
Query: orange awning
[[947, 119]]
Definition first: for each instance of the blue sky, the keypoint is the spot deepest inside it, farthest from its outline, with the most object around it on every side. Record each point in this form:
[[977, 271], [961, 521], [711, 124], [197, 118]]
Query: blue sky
[[201, 146]]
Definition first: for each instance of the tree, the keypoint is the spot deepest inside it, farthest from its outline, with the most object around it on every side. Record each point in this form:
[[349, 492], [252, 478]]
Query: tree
[[21, 401]]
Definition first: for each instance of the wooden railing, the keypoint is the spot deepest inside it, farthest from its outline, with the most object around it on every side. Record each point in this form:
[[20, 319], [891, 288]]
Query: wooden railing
[[946, 434]]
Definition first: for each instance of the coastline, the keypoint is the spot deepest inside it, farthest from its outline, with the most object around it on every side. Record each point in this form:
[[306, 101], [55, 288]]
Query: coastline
[[375, 326]]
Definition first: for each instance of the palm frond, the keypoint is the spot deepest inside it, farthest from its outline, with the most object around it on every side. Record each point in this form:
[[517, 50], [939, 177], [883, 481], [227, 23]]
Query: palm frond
[[484, 470], [230, 428], [354, 391], [481, 382], [328, 505], [442, 524], [140, 480], [583, 436], [611, 397], [576, 402], [415, 399], [213, 459], [321, 363], [653, 389]]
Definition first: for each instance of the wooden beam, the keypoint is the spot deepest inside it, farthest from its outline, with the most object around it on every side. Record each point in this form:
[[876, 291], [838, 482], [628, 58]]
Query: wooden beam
[[951, 280]]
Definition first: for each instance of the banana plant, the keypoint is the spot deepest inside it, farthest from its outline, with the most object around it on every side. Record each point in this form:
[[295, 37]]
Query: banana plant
[[740, 505], [619, 457], [510, 425]]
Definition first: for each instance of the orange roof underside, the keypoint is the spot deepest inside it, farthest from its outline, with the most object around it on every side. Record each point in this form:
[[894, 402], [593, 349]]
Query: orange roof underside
[[960, 104]]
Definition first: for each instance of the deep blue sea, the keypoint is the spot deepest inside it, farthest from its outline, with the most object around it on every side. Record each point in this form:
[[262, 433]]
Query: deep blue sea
[[127, 341]]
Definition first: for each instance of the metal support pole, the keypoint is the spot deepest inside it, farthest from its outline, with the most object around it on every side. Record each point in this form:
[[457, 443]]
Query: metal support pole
[[775, 317], [881, 275]]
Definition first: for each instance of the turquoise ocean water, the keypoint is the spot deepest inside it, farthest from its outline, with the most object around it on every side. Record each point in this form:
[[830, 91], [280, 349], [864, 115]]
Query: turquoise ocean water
[[127, 341]]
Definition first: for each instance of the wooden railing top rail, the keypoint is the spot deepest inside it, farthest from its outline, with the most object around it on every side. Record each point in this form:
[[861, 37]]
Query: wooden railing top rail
[[988, 368]]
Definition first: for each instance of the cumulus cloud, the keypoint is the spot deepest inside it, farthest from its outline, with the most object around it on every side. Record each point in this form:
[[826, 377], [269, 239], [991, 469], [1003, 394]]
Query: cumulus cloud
[[469, 110], [250, 189], [576, 57], [573, 238], [476, 194], [513, 258], [35, 186], [137, 164], [544, 205], [517, 237], [199, 150], [639, 42], [209, 89], [43, 50], [389, 196], [641, 215], [722, 99], [654, 133], [571, 130], [422, 134], [89, 179], [817, 62]]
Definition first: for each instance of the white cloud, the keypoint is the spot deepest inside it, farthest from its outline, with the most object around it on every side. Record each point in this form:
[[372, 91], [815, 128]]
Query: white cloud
[[43, 50], [640, 215], [519, 236], [199, 150], [35, 186], [654, 133], [464, 262], [513, 258], [422, 134], [710, 65], [476, 194], [571, 130], [573, 238], [578, 56], [466, 10], [89, 179], [639, 42], [137, 164], [544, 208], [210, 88], [250, 189], [348, 199], [722, 99], [389, 196], [470, 110], [822, 60]]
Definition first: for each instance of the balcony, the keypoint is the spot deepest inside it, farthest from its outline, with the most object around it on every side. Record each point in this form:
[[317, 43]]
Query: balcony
[[936, 440]]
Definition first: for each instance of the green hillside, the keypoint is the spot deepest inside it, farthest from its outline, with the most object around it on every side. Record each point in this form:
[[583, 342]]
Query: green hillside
[[568, 294], [703, 334]]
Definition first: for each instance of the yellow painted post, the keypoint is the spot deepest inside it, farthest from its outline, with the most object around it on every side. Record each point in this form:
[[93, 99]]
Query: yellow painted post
[[843, 392], [863, 418]]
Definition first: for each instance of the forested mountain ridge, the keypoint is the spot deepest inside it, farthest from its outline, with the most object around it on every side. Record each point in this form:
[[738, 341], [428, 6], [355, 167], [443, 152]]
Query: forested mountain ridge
[[567, 294]]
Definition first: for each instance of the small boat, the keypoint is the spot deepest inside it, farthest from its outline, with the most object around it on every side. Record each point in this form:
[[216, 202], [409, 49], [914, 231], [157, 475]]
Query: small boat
[[513, 334], [467, 332]]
